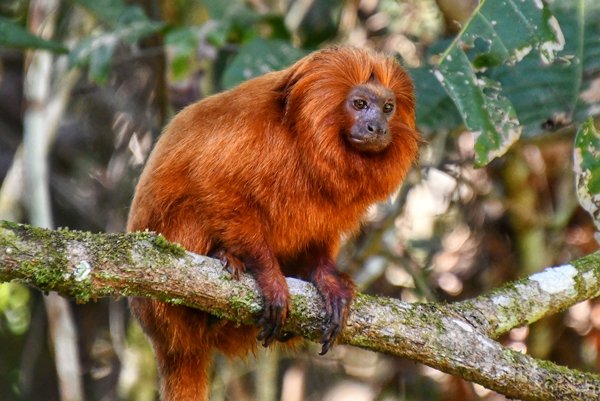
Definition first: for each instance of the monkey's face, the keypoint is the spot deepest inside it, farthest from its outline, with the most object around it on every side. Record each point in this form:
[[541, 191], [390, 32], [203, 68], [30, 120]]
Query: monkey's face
[[370, 108]]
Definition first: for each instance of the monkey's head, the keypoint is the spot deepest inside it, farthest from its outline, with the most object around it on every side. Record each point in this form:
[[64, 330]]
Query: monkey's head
[[370, 107], [351, 99], [352, 113]]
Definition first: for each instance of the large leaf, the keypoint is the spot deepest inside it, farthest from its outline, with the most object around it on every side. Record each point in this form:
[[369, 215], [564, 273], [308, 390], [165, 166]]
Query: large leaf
[[259, 57], [499, 32], [546, 97], [14, 35], [587, 168]]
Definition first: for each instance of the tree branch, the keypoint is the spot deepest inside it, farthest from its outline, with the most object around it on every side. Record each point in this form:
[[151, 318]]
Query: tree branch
[[528, 300], [452, 338]]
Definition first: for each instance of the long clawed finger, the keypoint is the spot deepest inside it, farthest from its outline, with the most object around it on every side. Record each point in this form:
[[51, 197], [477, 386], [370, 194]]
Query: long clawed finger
[[336, 317], [271, 324]]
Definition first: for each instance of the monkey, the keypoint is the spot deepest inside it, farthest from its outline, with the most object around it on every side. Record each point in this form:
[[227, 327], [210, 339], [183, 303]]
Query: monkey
[[268, 177]]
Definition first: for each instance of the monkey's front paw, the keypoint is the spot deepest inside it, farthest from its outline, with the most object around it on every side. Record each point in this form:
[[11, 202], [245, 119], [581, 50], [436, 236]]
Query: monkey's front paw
[[231, 263], [272, 320], [337, 291]]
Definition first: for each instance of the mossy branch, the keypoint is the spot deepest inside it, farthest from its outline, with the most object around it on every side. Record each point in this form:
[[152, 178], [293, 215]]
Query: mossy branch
[[452, 338]]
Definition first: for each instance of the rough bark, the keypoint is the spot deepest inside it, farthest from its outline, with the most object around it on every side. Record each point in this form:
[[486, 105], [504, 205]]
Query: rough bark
[[453, 338]]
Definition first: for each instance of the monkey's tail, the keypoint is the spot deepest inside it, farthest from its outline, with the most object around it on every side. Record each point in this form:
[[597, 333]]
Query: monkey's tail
[[183, 351], [184, 376]]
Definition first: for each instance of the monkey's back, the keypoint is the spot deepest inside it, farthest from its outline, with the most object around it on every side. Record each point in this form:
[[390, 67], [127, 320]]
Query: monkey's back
[[229, 161]]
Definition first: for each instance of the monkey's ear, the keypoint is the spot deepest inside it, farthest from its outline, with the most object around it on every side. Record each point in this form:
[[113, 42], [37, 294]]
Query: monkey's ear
[[295, 72], [282, 95], [286, 86], [292, 75]]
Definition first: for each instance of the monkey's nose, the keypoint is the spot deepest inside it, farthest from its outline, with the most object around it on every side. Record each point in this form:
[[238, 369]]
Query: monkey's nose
[[375, 128]]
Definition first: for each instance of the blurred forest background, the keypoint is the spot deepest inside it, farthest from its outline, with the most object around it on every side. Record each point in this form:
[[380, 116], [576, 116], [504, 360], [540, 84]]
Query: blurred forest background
[[116, 71]]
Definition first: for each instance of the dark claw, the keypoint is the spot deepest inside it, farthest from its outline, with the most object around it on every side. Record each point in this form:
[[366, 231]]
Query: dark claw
[[337, 291], [231, 270], [271, 323], [337, 313], [326, 347]]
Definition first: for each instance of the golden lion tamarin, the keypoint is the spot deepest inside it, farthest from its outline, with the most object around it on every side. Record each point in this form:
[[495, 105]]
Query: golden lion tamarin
[[267, 177]]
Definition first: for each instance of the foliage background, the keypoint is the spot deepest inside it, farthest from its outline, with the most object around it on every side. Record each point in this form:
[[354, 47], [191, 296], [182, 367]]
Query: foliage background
[[453, 230]]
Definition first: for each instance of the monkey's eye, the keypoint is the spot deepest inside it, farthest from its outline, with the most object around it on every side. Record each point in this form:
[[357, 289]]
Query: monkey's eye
[[359, 104], [388, 108]]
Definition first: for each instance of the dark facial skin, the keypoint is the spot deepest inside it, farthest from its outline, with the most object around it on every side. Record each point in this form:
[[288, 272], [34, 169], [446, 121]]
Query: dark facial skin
[[371, 106]]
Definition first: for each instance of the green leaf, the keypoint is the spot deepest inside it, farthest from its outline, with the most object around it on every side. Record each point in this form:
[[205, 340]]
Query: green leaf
[[547, 97], [435, 110], [107, 11], [217, 34], [99, 64], [588, 95], [134, 25], [258, 57], [96, 53], [130, 20], [587, 168], [315, 22], [182, 44], [130, 24], [499, 32], [219, 9], [484, 111], [14, 35]]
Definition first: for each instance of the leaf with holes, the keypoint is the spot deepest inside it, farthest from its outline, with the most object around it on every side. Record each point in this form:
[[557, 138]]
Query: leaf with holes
[[499, 32]]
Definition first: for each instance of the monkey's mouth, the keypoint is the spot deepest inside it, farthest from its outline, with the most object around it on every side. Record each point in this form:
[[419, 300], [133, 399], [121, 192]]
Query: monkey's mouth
[[369, 143]]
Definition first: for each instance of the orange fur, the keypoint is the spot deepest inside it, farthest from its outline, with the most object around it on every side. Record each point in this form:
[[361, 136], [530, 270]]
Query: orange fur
[[262, 173]]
